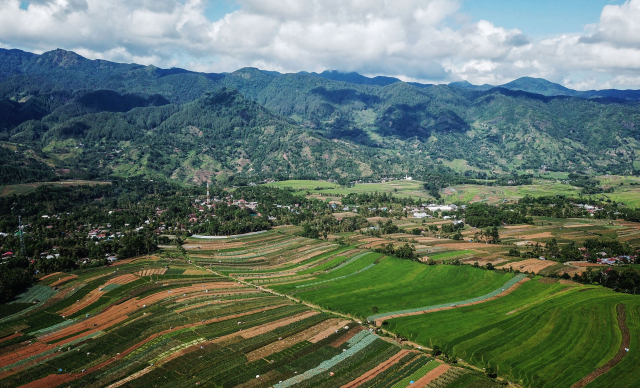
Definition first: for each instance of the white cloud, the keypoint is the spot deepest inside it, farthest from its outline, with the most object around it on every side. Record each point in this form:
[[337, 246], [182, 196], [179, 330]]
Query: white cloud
[[425, 40]]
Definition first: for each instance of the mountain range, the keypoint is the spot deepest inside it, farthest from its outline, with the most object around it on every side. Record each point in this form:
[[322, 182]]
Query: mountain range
[[62, 115]]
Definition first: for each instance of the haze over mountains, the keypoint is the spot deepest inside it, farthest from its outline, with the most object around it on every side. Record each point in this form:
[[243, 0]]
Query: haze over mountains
[[86, 118]]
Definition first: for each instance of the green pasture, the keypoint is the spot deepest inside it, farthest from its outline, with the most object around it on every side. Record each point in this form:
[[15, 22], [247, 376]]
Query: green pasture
[[451, 255], [626, 193], [538, 336], [304, 184], [329, 264], [401, 188], [24, 188], [395, 284]]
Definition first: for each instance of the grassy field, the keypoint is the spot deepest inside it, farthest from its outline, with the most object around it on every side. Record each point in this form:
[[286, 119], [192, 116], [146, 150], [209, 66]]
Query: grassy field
[[173, 330], [541, 335], [395, 284], [211, 317], [625, 193], [25, 188]]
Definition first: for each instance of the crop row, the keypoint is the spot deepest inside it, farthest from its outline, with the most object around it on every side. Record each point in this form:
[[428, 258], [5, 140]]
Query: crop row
[[400, 373], [338, 278], [359, 342], [428, 367], [492, 294], [351, 260]]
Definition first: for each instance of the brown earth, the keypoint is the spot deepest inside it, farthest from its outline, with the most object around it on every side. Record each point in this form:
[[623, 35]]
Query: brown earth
[[62, 280], [328, 331], [504, 293], [57, 379], [370, 375], [256, 331], [347, 336], [578, 226], [123, 279], [517, 226], [536, 235], [12, 336], [288, 342], [531, 265], [194, 272], [430, 376], [149, 272], [216, 302], [94, 295], [626, 339]]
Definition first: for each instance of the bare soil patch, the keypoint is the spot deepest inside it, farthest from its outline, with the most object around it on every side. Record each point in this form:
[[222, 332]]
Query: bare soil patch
[[256, 331], [430, 376], [536, 235], [58, 379], [124, 279], [328, 331], [531, 265], [578, 226], [194, 272], [154, 271], [288, 342], [347, 336], [62, 280]]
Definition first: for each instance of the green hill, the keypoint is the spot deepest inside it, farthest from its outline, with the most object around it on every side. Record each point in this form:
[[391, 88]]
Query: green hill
[[89, 118]]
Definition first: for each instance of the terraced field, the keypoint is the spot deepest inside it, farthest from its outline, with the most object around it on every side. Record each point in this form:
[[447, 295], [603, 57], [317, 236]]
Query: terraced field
[[393, 284], [183, 331], [230, 314], [541, 335]]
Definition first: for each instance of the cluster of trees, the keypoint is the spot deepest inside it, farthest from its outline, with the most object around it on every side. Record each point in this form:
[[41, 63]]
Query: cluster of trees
[[481, 215], [625, 280], [591, 250], [406, 251], [589, 184], [561, 206], [381, 228], [229, 220]]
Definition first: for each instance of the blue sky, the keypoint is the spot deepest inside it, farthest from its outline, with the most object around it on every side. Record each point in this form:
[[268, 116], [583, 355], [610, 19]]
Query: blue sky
[[538, 17], [533, 17]]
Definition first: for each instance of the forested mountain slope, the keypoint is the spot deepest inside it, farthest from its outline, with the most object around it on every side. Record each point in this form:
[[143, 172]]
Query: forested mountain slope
[[91, 119]]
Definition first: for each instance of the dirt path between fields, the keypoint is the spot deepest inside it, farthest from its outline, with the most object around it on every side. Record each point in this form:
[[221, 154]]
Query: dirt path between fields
[[626, 339], [504, 293], [370, 375]]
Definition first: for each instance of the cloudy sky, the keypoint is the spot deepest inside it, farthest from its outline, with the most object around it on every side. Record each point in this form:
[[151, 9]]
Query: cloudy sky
[[582, 44]]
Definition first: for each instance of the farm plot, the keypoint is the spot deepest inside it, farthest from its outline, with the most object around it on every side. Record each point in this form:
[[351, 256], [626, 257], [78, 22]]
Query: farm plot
[[218, 333], [530, 265], [394, 284], [533, 334], [149, 272]]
